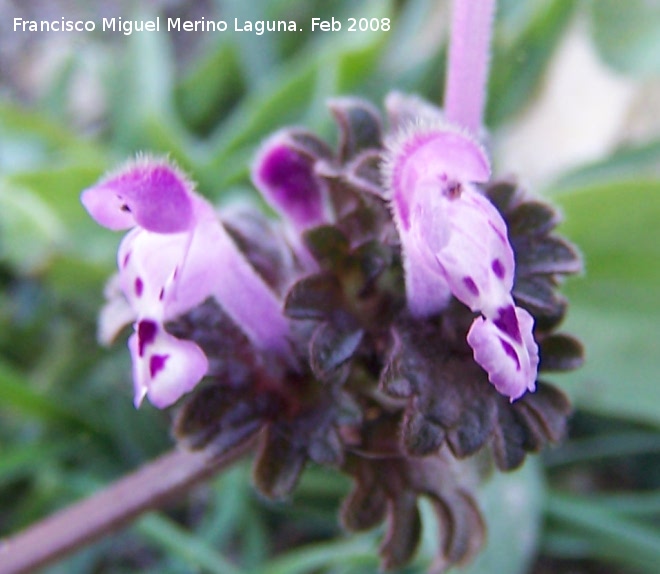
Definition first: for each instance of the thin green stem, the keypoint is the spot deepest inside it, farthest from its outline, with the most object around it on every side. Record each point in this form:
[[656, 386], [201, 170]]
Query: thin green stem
[[356, 548], [607, 535], [599, 447], [637, 504], [170, 536], [19, 396]]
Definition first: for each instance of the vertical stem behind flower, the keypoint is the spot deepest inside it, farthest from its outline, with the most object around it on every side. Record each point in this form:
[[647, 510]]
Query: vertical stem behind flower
[[468, 60]]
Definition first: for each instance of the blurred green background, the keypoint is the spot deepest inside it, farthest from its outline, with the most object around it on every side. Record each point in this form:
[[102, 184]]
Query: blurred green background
[[574, 108]]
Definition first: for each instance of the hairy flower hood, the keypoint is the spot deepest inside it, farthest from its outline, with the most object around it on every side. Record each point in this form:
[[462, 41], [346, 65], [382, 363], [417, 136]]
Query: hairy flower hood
[[455, 242], [177, 255]]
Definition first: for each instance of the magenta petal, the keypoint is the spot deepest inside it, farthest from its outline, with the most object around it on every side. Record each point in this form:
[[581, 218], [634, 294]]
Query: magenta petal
[[145, 192], [511, 365], [107, 209], [433, 157], [215, 266], [429, 171], [148, 265], [455, 241], [285, 177], [167, 369], [435, 161], [166, 275], [115, 314], [177, 256], [426, 289], [477, 260]]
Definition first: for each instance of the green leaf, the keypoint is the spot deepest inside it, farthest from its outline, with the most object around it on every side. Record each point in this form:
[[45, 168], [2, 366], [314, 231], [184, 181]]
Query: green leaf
[[31, 139], [519, 63], [615, 308], [293, 93], [362, 51], [19, 396], [60, 188], [25, 459], [627, 34], [629, 163], [29, 230], [633, 504], [315, 556], [609, 445], [142, 87], [209, 89], [604, 534], [281, 100], [176, 541], [228, 506], [257, 53], [80, 255], [56, 96]]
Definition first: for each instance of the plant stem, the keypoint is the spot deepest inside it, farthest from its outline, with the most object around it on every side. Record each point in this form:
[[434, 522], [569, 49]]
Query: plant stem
[[108, 510], [468, 61]]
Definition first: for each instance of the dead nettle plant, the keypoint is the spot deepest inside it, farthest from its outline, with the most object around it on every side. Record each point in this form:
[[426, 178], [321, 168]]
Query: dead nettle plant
[[392, 324]]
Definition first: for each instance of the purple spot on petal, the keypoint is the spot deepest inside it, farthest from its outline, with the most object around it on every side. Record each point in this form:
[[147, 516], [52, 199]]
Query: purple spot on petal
[[146, 332], [161, 295], [125, 208], [139, 286], [498, 268], [507, 322], [452, 189], [157, 364], [471, 285], [126, 259], [511, 352]]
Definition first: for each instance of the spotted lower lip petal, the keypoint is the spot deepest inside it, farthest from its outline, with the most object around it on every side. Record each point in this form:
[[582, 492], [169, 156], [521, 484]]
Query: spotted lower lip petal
[[164, 367]]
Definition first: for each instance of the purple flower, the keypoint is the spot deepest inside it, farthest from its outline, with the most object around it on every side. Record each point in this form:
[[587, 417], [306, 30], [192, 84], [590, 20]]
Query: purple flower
[[455, 242], [177, 255], [283, 172]]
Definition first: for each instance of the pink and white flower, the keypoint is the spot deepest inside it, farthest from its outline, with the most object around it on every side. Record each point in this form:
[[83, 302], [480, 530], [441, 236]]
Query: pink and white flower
[[455, 242], [177, 255]]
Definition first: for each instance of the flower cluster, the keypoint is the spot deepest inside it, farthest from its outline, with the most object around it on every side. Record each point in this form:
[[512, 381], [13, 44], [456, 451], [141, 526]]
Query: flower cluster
[[390, 324]]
